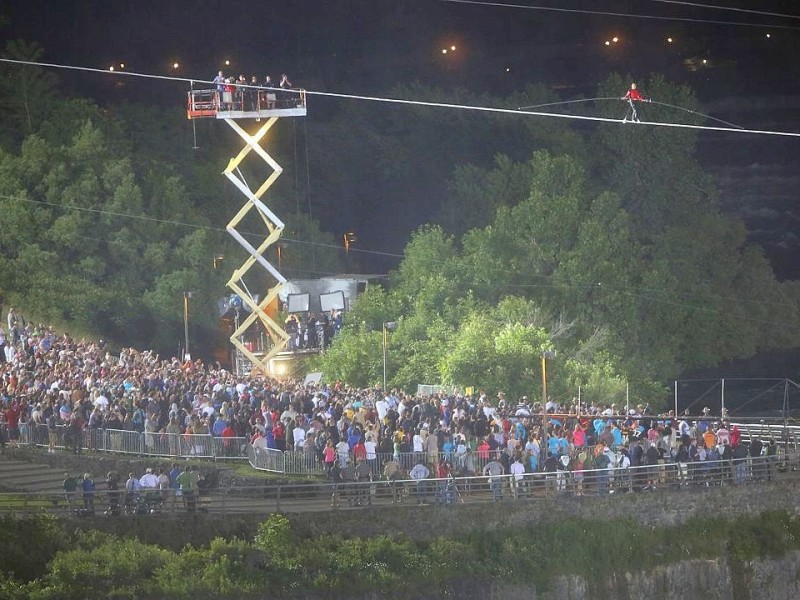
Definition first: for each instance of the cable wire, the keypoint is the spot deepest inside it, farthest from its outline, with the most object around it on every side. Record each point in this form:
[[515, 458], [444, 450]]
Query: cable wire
[[730, 8], [694, 112], [429, 104], [404, 102], [566, 102], [642, 294], [619, 14]]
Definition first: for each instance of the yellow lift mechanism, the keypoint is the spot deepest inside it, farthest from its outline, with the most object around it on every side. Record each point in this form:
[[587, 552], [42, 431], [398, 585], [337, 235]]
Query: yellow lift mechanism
[[206, 103]]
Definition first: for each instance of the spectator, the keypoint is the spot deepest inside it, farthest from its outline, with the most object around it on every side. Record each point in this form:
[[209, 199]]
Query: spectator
[[517, 471], [70, 485], [148, 481], [392, 473], [285, 84], [112, 485], [188, 481], [163, 484], [219, 83], [15, 325], [87, 487], [494, 471], [270, 105], [419, 474]]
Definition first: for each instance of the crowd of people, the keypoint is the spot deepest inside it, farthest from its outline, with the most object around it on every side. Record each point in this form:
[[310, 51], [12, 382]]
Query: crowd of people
[[147, 494], [251, 95], [313, 330], [52, 381]]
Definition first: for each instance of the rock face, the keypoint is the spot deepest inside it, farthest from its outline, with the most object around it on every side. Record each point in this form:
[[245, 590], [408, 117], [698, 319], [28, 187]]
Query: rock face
[[764, 579]]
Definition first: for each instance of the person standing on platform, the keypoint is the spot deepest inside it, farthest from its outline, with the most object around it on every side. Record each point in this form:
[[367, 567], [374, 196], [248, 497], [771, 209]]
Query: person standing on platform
[[252, 94], [286, 97], [270, 93], [219, 82]]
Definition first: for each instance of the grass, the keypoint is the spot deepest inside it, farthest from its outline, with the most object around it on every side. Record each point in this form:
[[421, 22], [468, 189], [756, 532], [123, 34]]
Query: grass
[[20, 502]]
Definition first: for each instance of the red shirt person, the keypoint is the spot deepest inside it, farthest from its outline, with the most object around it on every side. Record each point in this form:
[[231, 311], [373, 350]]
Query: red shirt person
[[633, 95], [12, 420]]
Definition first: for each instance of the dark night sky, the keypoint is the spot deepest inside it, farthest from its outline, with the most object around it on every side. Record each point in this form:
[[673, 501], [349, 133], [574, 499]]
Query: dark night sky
[[366, 46]]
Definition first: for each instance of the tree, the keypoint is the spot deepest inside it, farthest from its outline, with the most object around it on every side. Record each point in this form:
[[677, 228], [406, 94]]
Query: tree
[[27, 92], [474, 195]]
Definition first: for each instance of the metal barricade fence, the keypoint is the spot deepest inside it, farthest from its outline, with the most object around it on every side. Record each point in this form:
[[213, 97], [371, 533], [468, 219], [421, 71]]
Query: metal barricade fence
[[161, 444], [125, 442], [784, 435], [196, 445], [230, 447], [122, 441], [383, 494], [294, 462], [25, 435], [310, 463], [302, 463], [266, 459]]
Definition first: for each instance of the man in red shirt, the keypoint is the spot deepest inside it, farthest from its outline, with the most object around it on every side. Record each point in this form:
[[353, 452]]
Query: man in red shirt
[[633, 95], [228, 447], [12, 421]]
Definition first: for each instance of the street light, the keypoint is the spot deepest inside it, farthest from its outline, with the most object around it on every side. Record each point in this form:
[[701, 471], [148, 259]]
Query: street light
[[387, 327], [186, 296], [543, 452], [349, 238]]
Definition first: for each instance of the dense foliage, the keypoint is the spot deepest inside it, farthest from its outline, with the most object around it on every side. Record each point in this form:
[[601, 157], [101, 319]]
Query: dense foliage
[[603, 243], [277, 563], [618, 257], [109, 215]]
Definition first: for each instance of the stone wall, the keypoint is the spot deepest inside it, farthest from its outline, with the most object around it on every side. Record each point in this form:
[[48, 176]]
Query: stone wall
[[721, 578], [665, 508], [766, 579]]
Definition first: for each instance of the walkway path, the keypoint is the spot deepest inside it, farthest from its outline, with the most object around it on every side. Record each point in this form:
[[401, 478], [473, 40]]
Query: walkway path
[[32, 487]]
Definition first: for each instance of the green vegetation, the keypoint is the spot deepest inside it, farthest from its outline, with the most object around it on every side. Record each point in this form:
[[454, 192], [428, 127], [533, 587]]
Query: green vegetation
[[278, 563], [108, 215], [10, 502], [609, 247], [602, 242]]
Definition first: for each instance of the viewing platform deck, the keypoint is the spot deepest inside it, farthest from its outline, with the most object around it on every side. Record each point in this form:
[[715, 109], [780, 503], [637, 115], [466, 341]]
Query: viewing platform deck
[[250, 104]]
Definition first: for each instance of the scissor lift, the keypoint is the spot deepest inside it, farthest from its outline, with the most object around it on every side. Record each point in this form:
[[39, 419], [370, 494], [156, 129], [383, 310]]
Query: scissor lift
[[257, 104]]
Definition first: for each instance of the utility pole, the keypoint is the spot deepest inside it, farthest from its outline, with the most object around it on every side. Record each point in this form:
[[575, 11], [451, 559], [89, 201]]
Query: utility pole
[[186, 355]]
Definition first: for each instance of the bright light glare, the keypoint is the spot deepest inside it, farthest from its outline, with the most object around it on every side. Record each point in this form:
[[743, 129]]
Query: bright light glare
[[669, 40], [615, 39], [705, 62], [608, 43], [453, 48], [279, 368], [508, 69], [175, 65], [444, 50], [769, 35], [121, 65], [111, 68]]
